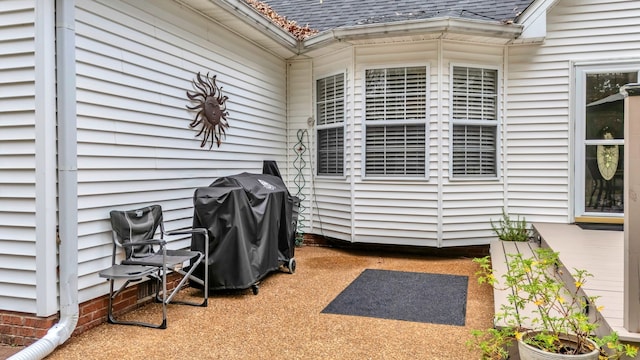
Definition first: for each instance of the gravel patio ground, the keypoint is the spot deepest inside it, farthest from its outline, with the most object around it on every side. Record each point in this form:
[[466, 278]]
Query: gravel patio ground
[[284, 321]]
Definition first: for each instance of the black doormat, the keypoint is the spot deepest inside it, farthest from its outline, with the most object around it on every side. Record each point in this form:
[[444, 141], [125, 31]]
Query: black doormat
[[400, 295], [595, 226]]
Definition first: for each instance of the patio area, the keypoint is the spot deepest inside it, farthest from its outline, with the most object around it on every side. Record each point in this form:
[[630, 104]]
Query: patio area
[[285, 321]]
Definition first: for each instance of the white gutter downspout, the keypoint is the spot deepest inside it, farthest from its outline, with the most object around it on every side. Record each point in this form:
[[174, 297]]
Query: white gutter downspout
[[67, 187]]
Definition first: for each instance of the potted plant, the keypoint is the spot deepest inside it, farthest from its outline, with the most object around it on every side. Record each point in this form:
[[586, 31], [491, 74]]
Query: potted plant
[[511, 230], [559, 324]]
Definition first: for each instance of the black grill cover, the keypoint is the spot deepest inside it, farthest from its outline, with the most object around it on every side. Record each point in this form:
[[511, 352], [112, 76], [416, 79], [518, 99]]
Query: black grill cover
[[250, 218]]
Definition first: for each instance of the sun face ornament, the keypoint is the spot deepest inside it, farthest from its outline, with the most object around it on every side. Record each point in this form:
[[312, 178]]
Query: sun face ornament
[[211, 109]]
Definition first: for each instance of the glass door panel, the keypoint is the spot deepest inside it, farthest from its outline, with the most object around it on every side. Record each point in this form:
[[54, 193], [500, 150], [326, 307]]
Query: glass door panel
[[604, 179], [604, 141]]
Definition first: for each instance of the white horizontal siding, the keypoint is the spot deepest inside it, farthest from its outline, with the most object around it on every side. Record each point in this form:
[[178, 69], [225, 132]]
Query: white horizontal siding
[[430, 212], [536, 147], [540, 122], [468, 205], [17, 157], [395, 211], [331, 204], [135, 63], [538, 134]]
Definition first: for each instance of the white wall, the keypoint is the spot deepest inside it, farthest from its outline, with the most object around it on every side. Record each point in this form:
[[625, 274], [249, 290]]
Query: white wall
[[535, 179], [396, 211], [27, 158], [468, 206], [135, 62], [300, 136], [430, 212], [540, 110], [135, 147], [332, 196]]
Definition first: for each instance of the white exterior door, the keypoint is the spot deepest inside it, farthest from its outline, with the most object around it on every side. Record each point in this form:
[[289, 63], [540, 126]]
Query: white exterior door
[[599, 140]]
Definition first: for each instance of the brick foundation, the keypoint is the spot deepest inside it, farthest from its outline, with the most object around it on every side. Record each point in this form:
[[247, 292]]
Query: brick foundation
[[23, 329]]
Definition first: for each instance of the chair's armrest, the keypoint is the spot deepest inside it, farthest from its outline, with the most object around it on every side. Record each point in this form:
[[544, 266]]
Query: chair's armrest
[[187, 231], [160, 242], [202, 231]]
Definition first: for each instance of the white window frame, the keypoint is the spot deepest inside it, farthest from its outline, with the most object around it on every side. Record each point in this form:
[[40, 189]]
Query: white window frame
[[485, 123], [424, 121], [581, 70], [336, 125]]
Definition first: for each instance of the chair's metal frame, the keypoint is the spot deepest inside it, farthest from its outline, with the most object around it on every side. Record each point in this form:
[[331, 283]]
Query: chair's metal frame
[[156, 266]]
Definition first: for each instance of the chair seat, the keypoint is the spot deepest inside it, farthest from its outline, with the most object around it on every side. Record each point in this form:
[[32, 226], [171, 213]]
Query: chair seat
[[127, 271], [174, 258]]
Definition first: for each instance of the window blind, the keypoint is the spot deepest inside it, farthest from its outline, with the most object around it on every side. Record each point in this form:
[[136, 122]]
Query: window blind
[[474, 150], [330, 98], [395, 118], [475, 121], [330, 151], [395, 150]]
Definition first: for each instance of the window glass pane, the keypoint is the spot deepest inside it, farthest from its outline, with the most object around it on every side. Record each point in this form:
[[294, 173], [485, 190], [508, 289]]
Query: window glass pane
[[604, 178], [395, 150], [330, 100], [375, 82], [330, 118], [605, 105], [396, 95], [474, 150], [330, 151], [475, 98], [475, 93]]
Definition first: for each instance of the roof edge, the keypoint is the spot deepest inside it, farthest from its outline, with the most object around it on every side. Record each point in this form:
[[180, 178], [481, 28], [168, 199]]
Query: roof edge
[[410, 27], [249, 15]]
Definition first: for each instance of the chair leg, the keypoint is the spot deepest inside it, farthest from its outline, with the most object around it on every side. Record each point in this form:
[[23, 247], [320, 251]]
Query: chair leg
[[189, 275], [111, 319], [164, 292], [158, 280], [206, 273]]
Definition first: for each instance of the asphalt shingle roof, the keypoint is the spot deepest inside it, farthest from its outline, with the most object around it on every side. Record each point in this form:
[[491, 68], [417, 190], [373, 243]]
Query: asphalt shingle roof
[[330, 14]]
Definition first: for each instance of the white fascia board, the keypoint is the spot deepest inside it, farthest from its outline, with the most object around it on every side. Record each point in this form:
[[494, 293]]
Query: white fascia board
[[246, 13], [437, 25], [534, 21]]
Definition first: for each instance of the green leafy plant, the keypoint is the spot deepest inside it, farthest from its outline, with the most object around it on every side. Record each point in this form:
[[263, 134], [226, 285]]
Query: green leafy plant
[[535, 283], [511, 230], [493, 343]]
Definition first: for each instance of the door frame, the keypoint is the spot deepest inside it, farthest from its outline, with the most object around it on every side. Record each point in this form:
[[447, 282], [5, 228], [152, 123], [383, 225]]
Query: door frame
[[580, 71]]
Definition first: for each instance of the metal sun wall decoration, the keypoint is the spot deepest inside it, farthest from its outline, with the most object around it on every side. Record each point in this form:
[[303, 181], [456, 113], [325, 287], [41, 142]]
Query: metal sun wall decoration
[[212, 110]]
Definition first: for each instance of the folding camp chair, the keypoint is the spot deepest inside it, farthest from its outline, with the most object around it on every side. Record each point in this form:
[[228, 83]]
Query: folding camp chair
[[146, 256]]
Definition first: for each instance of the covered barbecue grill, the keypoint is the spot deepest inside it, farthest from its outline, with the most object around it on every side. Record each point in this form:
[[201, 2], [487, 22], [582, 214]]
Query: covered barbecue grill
[[251, 219]]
